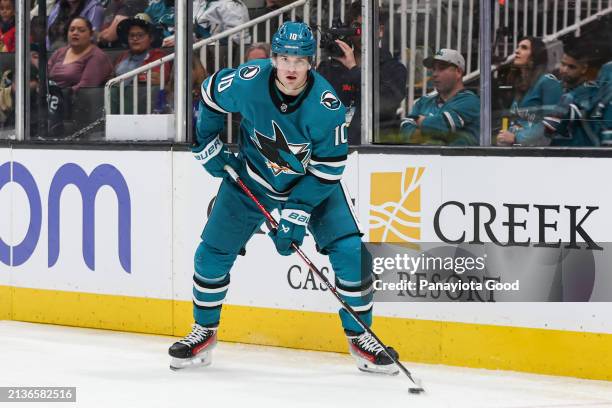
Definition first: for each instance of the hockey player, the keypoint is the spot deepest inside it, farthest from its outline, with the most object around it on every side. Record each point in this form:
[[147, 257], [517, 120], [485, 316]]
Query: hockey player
[[293, 151]]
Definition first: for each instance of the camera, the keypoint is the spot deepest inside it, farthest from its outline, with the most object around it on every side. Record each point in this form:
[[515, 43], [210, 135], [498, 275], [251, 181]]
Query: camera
[[338, 31]]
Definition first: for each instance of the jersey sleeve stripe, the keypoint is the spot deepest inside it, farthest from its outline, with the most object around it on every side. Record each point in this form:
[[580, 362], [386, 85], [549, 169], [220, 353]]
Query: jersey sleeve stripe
[[330, 164], [208, 95], [329, 171], [575, 112], [328, 159], [549, 126], [461, 121], [408, 121], [324, 176], [450, 121], [551, 123]]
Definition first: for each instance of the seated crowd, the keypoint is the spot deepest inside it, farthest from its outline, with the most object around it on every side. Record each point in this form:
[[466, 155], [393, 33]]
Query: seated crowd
[[568, 105], [536, 102], [89, 42]]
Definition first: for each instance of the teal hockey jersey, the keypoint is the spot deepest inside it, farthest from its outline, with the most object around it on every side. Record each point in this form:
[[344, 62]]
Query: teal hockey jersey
[[455, 122], [584, 115], [295, 149], [568, 124], [527, 114]]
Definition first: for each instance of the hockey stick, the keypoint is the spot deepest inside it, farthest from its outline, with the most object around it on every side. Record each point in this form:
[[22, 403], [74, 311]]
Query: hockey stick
[[414, 390]]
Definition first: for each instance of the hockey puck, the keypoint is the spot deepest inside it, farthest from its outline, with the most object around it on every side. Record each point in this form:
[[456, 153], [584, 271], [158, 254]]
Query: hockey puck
[[416, 390]]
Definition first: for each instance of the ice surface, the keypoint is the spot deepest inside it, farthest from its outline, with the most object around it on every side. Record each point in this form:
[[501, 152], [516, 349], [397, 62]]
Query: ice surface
[[116, 370]]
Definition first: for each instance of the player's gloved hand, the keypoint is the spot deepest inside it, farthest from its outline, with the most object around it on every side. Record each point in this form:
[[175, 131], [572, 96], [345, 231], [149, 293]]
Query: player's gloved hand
[[291, 228], [214, 155]]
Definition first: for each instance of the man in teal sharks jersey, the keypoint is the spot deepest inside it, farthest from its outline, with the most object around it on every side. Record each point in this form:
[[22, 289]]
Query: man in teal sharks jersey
[[293, 151], [565, 124], [451, 114]]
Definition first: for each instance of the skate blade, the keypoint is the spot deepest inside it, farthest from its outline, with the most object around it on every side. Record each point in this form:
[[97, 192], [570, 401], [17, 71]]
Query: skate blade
[[201, 360], [368, 367]]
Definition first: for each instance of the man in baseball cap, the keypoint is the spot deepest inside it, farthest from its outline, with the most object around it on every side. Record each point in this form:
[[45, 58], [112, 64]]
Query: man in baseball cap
[[447, 55], [449, 116]]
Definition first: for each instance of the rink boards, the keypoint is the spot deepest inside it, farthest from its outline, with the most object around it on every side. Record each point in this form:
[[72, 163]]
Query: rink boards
[[105, 238]]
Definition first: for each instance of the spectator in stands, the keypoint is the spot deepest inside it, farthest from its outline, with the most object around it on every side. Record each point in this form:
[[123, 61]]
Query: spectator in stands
[[344, 74], [576, 66], [535, 93], [162, 15], [117, 11], [62, 14], [139, 35], [585, 114], [257, 51], [449, 116], [81, 63], [212, 17], [7, 26], [566, 124]]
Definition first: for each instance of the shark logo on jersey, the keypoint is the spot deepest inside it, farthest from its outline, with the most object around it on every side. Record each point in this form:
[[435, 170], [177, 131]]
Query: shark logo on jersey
[[249, 72], [330, 101], [282, 157]]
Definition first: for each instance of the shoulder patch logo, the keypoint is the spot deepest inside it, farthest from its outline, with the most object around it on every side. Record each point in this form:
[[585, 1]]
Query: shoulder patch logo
[[551, 76], [330, 101], [249, 72]]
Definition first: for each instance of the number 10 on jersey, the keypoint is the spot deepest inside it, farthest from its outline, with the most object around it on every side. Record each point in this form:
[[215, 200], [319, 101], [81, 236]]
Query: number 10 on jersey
[[341, 136]]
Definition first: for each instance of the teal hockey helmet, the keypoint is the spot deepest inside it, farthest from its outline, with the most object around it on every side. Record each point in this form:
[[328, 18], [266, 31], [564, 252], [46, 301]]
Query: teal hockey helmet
[[293, 38]]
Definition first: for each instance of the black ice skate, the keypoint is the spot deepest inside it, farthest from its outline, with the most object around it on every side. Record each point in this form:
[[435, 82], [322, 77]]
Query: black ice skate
[[195, 349], [370, 356]]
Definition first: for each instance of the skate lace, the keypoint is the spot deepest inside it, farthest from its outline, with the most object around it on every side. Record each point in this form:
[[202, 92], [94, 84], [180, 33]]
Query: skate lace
[[369, 343], [198, 334]]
